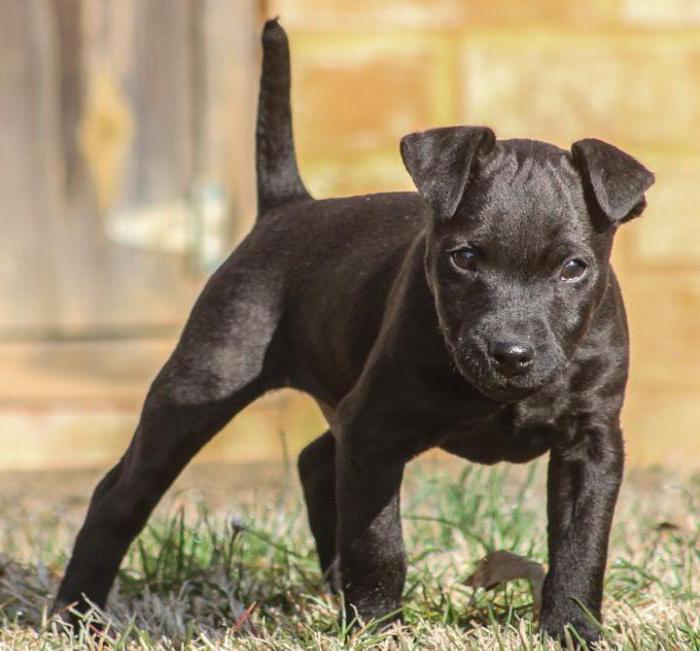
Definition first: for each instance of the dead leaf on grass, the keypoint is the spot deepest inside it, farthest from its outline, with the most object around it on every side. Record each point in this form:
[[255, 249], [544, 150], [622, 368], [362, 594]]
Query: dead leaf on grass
[[501, 566]]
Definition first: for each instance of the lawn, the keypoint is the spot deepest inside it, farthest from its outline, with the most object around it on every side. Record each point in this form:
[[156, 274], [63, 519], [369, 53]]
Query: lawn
[[227, 561]]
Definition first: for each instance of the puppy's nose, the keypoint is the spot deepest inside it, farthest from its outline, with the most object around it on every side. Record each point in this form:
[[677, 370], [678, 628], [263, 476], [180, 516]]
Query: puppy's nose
[[512, 358]]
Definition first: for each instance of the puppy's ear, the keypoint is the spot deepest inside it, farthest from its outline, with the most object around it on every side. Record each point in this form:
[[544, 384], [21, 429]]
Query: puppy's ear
[[613, 178], [439, 162]]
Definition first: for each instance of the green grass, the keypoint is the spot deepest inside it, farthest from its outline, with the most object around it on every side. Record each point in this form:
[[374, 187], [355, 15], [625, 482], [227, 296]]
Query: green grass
[[245, 577]]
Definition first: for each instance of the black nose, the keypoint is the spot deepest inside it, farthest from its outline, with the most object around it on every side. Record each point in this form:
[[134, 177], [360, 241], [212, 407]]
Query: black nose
[[512, 358]]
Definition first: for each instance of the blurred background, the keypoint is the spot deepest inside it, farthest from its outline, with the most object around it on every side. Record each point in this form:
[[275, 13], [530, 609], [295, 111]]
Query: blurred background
[[126, 176]]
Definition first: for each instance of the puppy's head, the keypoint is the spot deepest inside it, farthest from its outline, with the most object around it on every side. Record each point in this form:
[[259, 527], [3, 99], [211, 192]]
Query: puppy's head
[[518, 248]]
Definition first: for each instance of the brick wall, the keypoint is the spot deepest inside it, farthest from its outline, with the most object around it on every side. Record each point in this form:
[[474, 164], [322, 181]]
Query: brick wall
[[628, 71]]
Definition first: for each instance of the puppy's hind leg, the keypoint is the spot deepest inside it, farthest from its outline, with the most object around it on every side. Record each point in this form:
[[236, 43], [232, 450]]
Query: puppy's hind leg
[[218, 367], [317, 473]]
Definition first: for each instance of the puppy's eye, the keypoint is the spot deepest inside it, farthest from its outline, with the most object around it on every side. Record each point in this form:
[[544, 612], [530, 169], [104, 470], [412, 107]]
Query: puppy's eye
[[572, 270], [464, 258]]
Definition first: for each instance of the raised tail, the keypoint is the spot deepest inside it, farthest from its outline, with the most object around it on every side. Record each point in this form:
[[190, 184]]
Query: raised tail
[[276, 164]]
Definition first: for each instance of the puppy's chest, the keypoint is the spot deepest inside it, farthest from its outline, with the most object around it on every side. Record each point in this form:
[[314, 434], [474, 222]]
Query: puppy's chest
[[516, 432]]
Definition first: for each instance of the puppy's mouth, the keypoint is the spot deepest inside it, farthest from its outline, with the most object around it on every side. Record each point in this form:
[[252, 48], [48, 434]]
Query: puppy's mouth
[[506, 391]]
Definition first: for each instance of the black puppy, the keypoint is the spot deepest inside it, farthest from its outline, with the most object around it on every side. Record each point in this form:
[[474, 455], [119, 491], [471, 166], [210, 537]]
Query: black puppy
[[480, 315]]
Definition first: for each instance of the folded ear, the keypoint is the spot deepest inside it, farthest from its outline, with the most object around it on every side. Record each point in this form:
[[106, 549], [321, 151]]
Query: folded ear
[[439, 162], [615, 179]]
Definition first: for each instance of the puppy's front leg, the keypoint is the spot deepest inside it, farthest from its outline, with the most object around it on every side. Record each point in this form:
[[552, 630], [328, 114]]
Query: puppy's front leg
[[582, 489], [370, 542]]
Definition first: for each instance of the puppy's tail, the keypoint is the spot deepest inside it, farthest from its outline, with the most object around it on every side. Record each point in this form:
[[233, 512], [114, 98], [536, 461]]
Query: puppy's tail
[[276, 164]]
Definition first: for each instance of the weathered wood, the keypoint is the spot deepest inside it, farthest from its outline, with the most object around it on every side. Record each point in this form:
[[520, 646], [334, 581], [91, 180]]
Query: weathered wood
[[114, 115], [29, 156]]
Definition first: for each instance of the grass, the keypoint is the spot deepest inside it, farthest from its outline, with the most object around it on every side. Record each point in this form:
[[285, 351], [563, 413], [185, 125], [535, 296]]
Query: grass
[[206, 578]]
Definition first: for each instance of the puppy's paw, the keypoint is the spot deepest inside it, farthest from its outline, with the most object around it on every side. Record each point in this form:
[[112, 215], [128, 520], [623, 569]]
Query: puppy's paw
[[555, 623], [64, 615], [376, 617]]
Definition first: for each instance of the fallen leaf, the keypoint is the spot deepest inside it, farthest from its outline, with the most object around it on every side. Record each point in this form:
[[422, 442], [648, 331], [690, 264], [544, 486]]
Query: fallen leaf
[[244, 623], [501, 566]]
